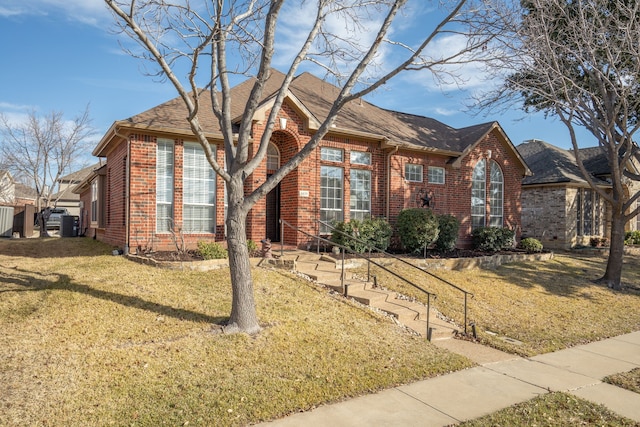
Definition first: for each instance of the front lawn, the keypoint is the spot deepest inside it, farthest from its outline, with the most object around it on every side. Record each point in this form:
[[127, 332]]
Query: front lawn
[[89, 338]]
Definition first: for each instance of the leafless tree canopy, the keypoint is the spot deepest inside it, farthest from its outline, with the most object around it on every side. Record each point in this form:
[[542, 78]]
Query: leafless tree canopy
[[42, 149], [578, 61], [202, 44]]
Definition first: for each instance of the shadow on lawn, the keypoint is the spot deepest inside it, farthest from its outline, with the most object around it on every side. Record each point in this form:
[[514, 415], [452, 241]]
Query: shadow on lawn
[[558, 276], [53, 247], [27, 281]]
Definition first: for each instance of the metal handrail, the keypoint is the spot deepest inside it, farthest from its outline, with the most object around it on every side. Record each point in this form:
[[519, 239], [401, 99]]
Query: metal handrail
[[371, 247], [345, 249]]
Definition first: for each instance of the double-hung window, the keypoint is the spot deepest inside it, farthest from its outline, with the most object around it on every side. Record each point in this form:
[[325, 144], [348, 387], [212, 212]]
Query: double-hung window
[[478, 195], [198, 213], [436, 175], [94, 201], [360, 195], [496, 187], [331, 188], [412, 172], [164, 186]]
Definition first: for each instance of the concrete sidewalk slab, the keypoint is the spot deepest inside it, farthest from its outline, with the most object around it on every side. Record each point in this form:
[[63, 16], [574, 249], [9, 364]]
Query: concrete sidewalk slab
[[387, 408], [584, 362], [615, 349], [543, 375], [632, 338], [619, 400], [471, 393], [480, 354]]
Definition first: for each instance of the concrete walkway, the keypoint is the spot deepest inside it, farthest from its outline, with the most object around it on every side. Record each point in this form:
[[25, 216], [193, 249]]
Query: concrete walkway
[[500, 381]]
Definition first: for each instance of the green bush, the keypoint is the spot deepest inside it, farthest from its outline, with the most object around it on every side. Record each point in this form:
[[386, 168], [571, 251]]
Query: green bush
[[531, 245], [374, 232], [211, 250], [492, 238], [252, 246], [448, 226], [417, 228], [632, 237]]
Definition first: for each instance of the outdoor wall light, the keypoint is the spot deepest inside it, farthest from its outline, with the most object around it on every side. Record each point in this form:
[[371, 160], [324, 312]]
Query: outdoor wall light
[[283, 123], [488, 154]]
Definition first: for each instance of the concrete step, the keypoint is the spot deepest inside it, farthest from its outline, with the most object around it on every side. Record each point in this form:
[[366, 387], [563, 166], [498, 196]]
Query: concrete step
[[411, 314]]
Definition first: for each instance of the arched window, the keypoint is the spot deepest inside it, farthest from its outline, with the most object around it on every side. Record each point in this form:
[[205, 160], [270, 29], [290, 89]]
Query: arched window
[[273, 158], [478, 195], [496, 198]]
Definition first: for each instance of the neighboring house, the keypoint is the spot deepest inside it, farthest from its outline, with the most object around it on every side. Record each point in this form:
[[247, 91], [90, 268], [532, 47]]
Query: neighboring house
[[157, 189], [65, 197], [558, 206], [25, 195], [7, 189]]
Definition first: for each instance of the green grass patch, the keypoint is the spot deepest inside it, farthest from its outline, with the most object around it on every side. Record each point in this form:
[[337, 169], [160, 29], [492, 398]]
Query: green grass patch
[[549, 410], [627, 380], [546, 305], [95, 339]]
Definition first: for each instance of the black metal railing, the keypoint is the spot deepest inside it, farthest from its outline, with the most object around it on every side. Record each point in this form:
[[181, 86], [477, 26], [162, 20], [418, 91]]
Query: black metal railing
[[371, 248], [345, 249]]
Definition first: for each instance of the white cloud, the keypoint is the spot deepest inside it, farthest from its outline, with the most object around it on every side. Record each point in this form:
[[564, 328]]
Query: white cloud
[[90, 12]]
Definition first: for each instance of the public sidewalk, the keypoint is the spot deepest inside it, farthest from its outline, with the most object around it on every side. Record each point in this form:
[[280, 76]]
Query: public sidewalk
[[500, 381]]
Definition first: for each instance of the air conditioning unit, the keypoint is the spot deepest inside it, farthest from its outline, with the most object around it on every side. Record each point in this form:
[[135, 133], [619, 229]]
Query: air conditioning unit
[[6, 221]]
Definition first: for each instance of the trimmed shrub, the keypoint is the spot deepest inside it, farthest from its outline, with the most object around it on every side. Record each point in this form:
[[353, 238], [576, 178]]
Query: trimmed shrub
[[531, 245], [492, 239], [417, 228], [448, 226], [211, 250], [374, 232], [598, 242], [632, 237]]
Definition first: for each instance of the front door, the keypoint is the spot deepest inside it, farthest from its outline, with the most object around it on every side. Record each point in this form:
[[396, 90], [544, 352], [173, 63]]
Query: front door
[[273, 214]]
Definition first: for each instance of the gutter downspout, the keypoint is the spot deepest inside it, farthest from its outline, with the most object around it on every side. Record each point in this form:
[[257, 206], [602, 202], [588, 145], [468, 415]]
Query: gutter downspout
[[388, 195]]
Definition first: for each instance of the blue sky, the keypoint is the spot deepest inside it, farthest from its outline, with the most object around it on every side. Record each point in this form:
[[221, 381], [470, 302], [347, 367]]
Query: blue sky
[[60, 55]]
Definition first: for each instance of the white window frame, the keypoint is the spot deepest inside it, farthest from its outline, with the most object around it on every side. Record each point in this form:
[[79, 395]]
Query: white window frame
[[413, 172], [165, 157], [479, 195], [360, 194], [273, 157], [94, 201], [496, 196], [331, 154], [436, 175], [331, 196], [360, 158], [199, 191]]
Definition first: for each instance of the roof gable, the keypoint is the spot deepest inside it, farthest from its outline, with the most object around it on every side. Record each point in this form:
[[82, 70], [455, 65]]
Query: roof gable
[[554, 165], [312, 98]]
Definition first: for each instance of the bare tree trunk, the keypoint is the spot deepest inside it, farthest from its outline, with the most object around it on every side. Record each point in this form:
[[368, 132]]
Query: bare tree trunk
[[243, 310], [613, 274]]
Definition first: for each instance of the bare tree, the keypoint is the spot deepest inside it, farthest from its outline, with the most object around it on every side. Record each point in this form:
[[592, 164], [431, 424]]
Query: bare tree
[[578, 61], [219, 38], [42, 149]]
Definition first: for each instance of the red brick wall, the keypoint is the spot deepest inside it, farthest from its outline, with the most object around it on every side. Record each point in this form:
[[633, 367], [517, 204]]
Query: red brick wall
[[454, 197], [299, 209]]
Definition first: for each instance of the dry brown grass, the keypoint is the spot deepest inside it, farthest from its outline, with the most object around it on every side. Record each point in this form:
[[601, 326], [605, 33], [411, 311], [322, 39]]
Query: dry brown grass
[[94, 339], [547, 305], [553, 410], [627, 380]]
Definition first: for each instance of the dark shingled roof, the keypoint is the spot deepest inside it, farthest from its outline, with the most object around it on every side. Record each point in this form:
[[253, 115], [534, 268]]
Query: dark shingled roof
[[553, 165], [317, 96]]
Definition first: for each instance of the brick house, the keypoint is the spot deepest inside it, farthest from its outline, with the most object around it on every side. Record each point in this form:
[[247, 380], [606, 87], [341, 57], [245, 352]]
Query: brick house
[[156, 185], [559, 208]]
